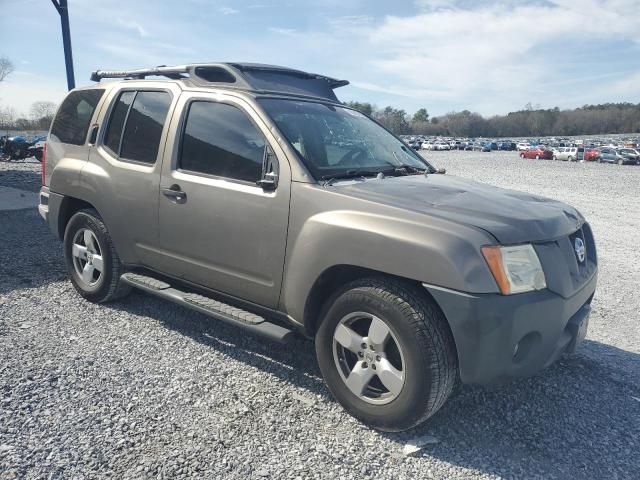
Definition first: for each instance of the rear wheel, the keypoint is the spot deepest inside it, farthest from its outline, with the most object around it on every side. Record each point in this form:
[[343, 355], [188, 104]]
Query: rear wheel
[[92, 261], [620, 161], [386, 353], [537, 157]]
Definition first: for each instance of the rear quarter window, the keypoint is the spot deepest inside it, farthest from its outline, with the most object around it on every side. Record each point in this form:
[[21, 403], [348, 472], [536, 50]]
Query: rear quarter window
[[136, 124], [74, 116]]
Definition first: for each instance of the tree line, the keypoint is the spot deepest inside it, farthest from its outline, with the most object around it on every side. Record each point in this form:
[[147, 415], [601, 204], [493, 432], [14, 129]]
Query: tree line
[[608, 118], [40, 115]]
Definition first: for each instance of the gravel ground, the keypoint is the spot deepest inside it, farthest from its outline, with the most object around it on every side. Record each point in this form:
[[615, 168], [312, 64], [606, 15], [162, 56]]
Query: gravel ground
[[145, 389]]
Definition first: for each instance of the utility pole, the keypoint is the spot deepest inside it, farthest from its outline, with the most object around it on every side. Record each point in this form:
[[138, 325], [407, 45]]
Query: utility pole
[[63, 10]]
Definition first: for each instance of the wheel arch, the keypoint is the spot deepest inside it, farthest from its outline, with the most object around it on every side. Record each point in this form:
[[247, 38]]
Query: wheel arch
[[335, 277], [68, 207]]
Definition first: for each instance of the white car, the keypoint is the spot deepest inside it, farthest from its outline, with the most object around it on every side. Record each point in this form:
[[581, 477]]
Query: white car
[[426, 146], [441, 146], [566, 153], [521, 147]]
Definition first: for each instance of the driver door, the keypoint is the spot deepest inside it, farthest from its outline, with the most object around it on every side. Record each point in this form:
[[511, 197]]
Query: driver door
[[223, 230]]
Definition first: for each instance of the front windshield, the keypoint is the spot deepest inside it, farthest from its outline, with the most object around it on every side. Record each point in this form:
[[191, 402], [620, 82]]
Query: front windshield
[[335, 141]]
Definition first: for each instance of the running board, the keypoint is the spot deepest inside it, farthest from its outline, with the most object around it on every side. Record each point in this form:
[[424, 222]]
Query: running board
[[210, 307]]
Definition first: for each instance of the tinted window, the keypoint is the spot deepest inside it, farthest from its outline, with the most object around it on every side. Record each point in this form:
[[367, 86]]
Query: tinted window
[[144, 124], [116, 123], [221, 140], [74, 116]]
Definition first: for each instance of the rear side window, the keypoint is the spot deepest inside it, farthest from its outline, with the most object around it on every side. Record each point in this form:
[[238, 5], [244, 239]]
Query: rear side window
[[74, 116], [220, 140], [136, 125], [116, 124]]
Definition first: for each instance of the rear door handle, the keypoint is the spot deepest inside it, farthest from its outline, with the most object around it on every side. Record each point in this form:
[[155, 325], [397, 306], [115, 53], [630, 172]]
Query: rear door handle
[[175, 194]]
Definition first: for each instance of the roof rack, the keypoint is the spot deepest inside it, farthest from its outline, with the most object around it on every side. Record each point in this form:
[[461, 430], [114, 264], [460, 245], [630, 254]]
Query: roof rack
[[246, 76]]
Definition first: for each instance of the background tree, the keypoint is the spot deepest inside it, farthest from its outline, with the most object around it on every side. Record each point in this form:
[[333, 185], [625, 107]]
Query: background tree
[[421, 116], [42, 108], [393, 119], [42, 113], [364, 107], [6, 67]]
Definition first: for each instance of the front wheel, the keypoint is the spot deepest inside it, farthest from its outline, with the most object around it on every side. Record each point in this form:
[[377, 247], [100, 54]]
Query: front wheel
[[537, 157], [92, 261], [386, 353]]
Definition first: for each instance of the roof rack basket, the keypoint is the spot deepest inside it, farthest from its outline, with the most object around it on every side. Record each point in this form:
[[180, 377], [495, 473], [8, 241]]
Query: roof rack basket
[[246, 76]]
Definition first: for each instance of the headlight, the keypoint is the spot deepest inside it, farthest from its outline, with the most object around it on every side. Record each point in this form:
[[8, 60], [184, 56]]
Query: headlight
[[516, 269]]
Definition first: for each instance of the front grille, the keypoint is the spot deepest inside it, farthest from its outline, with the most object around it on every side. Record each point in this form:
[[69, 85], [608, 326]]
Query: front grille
[[564, 273]]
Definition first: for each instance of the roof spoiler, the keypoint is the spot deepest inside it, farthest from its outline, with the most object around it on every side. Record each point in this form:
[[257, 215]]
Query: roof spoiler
[[248, 76]]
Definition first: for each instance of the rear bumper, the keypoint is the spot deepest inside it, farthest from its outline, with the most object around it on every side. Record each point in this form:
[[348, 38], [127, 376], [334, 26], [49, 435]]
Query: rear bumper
[[43, 207], [502, 337]]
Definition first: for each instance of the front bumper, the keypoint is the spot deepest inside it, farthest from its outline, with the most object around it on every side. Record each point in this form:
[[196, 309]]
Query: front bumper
[[501, 337]]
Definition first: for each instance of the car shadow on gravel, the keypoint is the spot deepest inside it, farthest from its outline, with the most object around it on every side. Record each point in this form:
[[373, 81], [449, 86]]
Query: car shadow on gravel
[[580, 418], [30, 256], [577, 419], [294, 363]]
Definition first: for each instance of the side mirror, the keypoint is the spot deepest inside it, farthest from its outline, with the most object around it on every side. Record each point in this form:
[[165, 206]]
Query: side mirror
[[441, 171], [269, 180]]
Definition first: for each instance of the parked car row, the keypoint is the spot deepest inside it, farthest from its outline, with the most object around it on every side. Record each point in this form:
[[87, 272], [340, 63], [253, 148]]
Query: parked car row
[[621, 156]]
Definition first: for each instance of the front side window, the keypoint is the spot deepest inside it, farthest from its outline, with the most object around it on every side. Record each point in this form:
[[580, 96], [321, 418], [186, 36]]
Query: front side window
[[334, 141], [136, 124], [220, 140], [74, 116]]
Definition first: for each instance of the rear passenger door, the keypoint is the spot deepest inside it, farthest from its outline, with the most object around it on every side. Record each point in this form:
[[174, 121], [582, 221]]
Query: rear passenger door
[[223, 231], [125, 167]]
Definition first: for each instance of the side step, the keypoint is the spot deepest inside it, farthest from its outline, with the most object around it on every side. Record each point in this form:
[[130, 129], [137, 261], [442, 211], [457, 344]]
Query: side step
[[208, 306]]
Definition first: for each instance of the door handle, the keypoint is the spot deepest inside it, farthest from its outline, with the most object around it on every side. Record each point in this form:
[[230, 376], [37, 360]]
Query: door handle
[[175, 194]]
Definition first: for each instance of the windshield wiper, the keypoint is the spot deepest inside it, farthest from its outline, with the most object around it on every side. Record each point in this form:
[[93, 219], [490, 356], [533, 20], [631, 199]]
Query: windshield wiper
[[329, 179], [407, 168]]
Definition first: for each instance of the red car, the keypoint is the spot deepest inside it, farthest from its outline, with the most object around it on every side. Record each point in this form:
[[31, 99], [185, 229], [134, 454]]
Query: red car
[[537, 153], [591, 155]]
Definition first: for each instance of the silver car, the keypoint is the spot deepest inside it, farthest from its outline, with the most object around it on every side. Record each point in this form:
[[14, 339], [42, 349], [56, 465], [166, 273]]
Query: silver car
[[251, 194]]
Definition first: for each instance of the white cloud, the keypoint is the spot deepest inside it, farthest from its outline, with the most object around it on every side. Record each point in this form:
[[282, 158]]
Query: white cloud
[[486, 50], [228, 10], [133, 25], [283, 31]]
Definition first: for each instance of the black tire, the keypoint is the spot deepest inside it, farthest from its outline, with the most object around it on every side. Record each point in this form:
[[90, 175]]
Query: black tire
[[422, 333], [109, 286], [537, 157]]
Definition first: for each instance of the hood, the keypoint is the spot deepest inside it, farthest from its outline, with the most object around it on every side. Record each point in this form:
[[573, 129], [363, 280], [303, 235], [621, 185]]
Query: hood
[[510, 216]]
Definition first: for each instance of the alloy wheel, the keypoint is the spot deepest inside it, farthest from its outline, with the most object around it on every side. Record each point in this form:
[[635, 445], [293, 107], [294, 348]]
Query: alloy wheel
[[87, 257], [369, 358]]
